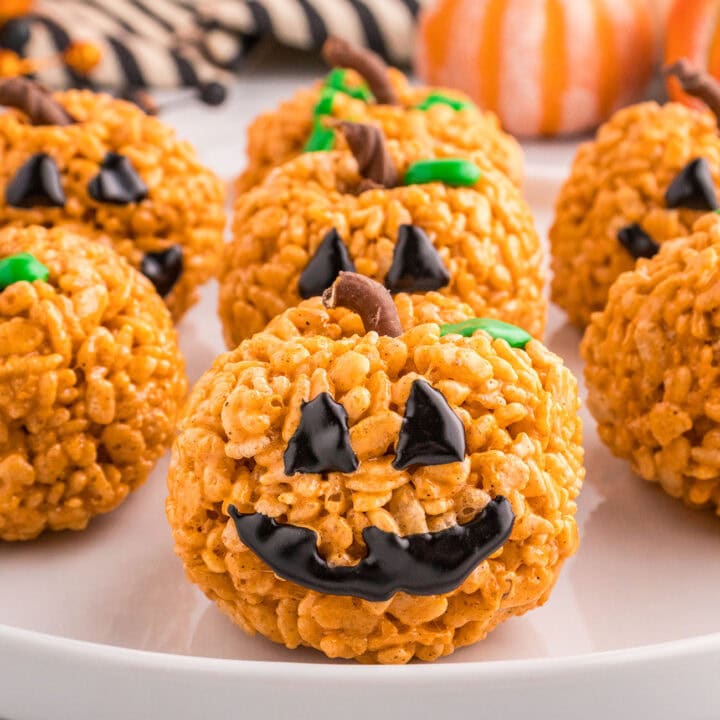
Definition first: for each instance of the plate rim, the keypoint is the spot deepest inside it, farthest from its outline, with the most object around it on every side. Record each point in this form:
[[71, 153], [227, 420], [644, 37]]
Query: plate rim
[[150, 660]]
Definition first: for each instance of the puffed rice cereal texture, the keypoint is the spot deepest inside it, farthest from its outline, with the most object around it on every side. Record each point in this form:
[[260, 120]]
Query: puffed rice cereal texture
[[652, 367], [91, 382], [618, 179], [185, 202], [280, 135], [520, 412], [485, 235]]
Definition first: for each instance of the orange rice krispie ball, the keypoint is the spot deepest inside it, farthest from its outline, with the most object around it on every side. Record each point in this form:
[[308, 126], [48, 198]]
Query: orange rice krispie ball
[[121, 176], [646, 178], [91, 380], [320, 213], [651, 367], [377, 494], [444, 120]]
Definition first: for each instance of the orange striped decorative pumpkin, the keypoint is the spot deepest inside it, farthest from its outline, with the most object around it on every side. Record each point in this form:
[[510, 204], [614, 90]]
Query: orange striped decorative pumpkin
[[546, 67], [693, 31]]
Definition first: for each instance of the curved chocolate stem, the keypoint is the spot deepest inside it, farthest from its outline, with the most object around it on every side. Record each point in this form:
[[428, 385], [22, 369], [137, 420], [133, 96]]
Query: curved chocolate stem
[[339, 53], [34, 100], [696, 82], [367, 144], [369, 299]]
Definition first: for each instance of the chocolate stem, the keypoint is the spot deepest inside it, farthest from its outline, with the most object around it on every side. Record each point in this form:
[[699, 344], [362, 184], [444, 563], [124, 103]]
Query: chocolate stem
[[34, 100], [696, 82], [367, 144], [369, 299], [339, 53]]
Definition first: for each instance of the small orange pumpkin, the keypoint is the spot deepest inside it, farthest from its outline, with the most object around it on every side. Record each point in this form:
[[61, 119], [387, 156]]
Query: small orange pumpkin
[[546, 67], [693, 31]]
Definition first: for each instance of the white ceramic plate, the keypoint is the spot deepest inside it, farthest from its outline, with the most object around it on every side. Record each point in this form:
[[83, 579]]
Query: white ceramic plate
[[103, 624]]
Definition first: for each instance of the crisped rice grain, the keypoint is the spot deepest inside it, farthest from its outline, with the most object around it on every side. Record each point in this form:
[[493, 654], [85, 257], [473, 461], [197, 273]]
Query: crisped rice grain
[[280, 135], [91, 381], [618, 179], [652, 369], [243, 411], [185, 203], [484, 234]]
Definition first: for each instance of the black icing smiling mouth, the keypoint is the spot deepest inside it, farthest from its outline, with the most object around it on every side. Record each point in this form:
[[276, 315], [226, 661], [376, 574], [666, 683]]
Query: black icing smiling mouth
[[423, 564], [420, 564]]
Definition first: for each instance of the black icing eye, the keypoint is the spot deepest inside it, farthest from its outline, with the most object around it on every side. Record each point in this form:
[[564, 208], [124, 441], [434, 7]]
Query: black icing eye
[[416, 265], [163, 269], [329, 259], [117, 182], [321, 442], [637, 242], [431, 433], [36, 184], [693, 188]]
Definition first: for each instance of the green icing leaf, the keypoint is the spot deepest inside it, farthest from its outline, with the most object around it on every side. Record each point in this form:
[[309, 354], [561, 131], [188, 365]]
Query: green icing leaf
[[437, 98], [325, 103], [512, 334], [336, 80], [322, 139], [450, 171], [23, 266]]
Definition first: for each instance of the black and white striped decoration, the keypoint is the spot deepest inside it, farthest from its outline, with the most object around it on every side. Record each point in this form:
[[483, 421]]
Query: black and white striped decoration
[[153, 43], [385, 26], [189, 43]]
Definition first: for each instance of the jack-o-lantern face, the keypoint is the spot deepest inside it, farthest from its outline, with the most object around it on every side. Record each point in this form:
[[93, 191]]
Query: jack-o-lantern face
[[114, 174], [423, 564], [413, 224], [651, 172], [372, 492]]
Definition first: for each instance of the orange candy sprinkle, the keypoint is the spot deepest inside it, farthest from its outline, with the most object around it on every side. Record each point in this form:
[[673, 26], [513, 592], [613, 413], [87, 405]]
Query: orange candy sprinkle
[[82, 56]]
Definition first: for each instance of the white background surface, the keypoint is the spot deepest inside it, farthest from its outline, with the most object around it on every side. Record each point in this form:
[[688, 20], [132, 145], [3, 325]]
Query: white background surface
[[648, 572]]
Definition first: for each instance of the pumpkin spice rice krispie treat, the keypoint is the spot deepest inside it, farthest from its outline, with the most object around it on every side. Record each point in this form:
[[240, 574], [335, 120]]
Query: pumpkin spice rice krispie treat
[[652, 369], [118, 176], [650, 173], [91, 380], [350, 481], [361, 88], [414, 222]]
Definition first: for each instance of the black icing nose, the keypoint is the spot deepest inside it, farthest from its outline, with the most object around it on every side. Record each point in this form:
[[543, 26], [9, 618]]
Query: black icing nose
[[117, 182], [163, 269], [36, 184]]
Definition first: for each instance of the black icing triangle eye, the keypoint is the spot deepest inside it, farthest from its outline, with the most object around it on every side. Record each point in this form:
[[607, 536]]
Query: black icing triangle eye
[[417, 265], [329, 259], [36, 184], [431, 433], [163, 269], [693, 188], [117, 182], [637, 242], [321, 442]]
